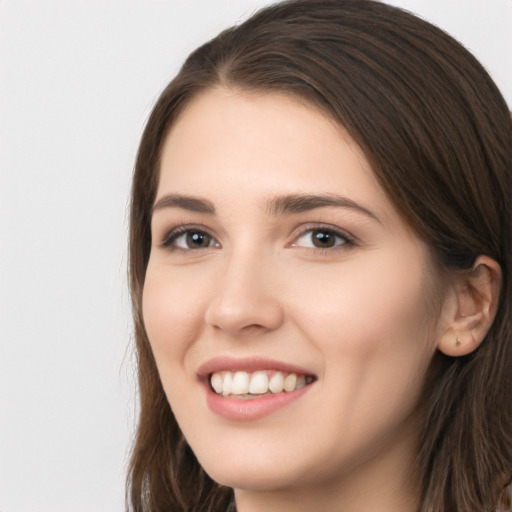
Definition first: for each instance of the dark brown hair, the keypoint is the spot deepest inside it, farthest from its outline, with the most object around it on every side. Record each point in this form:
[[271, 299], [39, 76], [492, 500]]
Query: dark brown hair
[[438, 135]]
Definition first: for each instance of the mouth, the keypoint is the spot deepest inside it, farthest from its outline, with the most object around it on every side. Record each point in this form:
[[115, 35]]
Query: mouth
[[250, 385], [251, 388]]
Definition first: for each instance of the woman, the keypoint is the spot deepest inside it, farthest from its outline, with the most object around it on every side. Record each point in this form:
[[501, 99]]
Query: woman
[[320, 271]]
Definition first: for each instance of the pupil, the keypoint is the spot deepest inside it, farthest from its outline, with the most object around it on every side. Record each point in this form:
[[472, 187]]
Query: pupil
[[198, 240], [323, 239]]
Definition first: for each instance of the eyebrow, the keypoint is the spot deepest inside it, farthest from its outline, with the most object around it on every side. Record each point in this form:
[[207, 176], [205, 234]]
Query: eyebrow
[[296, 203], [195, 204], [278, 206]]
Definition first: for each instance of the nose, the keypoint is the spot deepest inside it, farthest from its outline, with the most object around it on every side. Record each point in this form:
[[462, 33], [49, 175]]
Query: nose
[[246, 297]]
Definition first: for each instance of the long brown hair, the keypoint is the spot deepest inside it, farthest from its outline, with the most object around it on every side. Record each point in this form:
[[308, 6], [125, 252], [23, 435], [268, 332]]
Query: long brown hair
[[438, 135]]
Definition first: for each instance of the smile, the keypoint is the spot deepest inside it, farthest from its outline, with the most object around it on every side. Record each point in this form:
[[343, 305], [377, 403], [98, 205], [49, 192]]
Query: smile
[[250, 385], [249, 389]]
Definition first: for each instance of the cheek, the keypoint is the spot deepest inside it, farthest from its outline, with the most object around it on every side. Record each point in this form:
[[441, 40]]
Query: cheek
[[170, 315], [376, 347], [373, 325], [371, 307]]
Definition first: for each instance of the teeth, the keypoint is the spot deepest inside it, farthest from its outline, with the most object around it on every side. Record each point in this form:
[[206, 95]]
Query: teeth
[[240, 384], [259, 383], [217, 383], [227, 384], [244, 384], [276, 384], [290, 381]]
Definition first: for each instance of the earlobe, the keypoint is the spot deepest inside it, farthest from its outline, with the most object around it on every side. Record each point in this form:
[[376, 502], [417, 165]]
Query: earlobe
[[470, 307]]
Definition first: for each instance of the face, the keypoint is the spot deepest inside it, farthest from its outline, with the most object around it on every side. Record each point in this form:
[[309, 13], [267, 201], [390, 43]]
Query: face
[[286, 302]]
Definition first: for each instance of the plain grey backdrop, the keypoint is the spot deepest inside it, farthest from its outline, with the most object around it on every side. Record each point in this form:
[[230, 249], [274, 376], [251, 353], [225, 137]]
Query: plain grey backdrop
[[77, 82]]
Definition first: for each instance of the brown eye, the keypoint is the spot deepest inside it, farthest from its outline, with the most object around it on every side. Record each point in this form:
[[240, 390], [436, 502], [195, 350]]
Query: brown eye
[[197, 240], [190, 239], [321, 238]]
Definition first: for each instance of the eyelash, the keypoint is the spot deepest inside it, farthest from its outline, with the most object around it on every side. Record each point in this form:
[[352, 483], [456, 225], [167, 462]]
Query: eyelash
[[173, 236], [346, 240]]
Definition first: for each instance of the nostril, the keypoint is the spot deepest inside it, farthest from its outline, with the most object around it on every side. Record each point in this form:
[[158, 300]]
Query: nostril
[[242, 315]]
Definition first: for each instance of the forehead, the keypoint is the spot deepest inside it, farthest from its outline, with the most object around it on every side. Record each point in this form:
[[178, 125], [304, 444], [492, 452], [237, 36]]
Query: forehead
[[221, 129], [231, 144]]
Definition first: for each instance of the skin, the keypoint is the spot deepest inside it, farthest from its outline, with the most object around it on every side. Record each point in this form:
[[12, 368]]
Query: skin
[[358, 315]]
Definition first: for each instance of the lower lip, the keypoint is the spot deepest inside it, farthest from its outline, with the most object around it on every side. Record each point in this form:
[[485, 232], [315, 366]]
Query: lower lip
[[236, 409]]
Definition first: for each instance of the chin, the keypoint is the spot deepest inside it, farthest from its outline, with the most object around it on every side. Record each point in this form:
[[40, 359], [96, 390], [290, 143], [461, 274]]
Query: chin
[[249, 479], [253, 475]]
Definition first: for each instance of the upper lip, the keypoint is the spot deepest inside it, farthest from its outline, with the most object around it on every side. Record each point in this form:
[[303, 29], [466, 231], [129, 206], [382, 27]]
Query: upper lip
[[247, 364]]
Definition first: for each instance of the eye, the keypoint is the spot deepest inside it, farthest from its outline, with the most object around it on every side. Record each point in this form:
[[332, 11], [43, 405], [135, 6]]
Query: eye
[[189, 239], [321, 238]]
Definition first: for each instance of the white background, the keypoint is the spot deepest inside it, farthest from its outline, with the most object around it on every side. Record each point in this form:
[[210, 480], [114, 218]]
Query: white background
[[77, 81]]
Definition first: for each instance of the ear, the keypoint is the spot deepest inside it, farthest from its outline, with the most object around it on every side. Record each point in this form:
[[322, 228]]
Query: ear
[[469, 307]]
